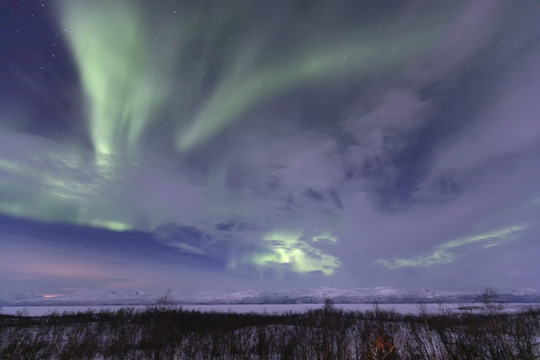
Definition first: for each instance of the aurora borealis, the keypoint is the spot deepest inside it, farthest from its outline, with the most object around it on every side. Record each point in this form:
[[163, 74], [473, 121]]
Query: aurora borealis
[[268, 144]]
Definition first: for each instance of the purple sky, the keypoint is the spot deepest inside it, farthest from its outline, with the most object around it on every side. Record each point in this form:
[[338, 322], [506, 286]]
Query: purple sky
[[199, 146]]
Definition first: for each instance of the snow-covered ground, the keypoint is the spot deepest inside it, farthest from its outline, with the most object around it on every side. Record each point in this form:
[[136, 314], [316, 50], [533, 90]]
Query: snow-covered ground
[[257, 308]]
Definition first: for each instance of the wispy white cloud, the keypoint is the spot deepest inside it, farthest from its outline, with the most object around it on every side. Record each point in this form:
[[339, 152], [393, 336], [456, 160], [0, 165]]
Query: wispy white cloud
[[455, 249]]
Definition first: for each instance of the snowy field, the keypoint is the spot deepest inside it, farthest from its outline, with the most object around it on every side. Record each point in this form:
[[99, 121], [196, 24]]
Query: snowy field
[[258, 308], [170, 334]]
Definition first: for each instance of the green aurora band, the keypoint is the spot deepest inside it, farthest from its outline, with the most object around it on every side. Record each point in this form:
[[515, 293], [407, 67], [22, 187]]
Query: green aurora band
[[133, 66], [241, 91], [140, 64], [123, 73], [55, 193], [291, 250]]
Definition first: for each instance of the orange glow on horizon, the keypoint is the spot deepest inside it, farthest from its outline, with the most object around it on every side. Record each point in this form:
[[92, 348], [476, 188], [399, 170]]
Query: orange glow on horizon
[[51, 295]]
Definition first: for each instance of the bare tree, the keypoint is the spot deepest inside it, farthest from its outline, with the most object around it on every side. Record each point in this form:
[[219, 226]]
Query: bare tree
[[166, 299]]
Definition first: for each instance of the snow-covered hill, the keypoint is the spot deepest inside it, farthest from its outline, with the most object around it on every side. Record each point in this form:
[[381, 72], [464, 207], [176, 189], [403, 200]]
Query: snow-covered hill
[[363, 295], [294, 296]]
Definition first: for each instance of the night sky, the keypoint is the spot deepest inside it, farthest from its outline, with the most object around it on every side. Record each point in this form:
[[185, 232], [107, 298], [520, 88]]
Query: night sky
[[257, 144]]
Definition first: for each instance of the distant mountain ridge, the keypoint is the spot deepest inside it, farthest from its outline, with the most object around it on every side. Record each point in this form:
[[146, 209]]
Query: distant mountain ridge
[[383, 295]]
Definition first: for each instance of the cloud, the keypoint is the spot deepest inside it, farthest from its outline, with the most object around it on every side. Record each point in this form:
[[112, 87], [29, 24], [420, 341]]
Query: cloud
[[454, 249], [334, 148], [383, 129], [191, 240], [507, 123]]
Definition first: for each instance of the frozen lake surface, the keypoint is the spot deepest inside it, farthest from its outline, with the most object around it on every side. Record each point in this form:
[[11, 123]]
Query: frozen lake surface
[[257, 308]]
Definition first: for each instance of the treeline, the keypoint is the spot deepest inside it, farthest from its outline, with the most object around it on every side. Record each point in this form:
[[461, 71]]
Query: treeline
[[167, 332]]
